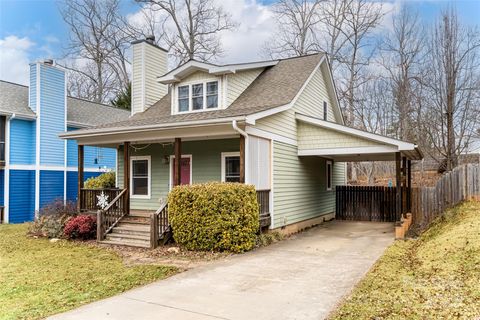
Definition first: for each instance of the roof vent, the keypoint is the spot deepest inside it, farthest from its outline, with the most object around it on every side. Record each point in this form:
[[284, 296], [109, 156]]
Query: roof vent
[[150, 39], [48, 62]]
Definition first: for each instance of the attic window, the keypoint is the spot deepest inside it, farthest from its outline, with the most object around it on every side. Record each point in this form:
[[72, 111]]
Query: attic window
[[198, 96]]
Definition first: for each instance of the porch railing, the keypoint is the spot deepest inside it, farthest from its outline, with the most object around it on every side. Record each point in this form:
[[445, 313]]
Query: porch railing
[[159, 225], [263, 199], [89, 198], [108, 217]]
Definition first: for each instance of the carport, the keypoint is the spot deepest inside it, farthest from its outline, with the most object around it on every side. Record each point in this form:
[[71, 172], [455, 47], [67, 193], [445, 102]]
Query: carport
[[338, 143]]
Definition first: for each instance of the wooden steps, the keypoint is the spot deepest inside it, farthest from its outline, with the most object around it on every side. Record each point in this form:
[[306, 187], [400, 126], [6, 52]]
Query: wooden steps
[[132, 230]]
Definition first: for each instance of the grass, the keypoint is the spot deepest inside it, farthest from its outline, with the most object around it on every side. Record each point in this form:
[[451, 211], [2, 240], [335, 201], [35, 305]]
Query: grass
[[436, 276], [39, 278]]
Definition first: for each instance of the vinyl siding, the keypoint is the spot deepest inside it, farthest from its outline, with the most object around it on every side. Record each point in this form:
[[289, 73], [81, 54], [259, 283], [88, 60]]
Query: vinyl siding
[[310, 102], [51, 186], [106, 157], [52, 115], [22, 196], [238, 82], [206, 166], [137, 79], [300, 186], [314, 137], [72, 183], [22, 141], [32, 89]]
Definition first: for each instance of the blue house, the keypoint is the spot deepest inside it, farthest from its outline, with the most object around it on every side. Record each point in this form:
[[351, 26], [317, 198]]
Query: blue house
[[36, 166]]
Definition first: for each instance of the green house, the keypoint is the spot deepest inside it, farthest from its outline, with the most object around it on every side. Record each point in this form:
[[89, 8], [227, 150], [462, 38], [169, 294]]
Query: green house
[[274, 124]]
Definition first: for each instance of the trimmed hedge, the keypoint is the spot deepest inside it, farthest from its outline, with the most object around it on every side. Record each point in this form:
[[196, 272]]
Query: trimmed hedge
[[105, 180], [214, 216]]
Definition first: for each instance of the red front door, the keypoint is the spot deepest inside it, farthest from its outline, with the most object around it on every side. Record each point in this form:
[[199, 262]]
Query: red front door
[[184, 170]]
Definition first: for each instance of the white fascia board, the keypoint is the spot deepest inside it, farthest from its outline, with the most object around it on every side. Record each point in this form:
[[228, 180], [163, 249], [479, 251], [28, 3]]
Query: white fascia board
[[136, 129], [18, 115], [346, 151], [401, 145], [189, 67], [232, 68], [331, 84], [262, 114]]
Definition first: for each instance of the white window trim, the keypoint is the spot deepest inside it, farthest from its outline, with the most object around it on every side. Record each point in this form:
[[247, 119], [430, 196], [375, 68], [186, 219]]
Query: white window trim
[[329, 162], [224, 155], [149, 183], [171, 169], [190, 84]]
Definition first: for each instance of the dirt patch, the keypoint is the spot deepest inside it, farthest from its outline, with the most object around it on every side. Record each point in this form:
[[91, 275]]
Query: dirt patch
[[169, 255]]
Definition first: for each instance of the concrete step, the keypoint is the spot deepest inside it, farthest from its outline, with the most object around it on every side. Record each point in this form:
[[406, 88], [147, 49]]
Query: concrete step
[[136, 220], [133, 226], [126, 243]]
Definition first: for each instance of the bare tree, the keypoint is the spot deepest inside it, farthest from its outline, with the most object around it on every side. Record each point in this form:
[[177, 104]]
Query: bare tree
[[192, 27], [452, 113], [401, 57], [296, 29], [96, 53]]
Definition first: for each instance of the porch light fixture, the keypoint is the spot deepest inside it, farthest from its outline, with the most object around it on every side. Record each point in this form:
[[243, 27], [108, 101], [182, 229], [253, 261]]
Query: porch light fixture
[[166, 160]]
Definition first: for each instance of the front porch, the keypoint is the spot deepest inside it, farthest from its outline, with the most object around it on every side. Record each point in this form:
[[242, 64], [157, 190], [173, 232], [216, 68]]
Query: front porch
[[136, 210]]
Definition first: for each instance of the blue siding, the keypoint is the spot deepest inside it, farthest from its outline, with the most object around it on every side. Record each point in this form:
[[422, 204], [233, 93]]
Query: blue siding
[[2, 187], [72, 183], [22, 141], [22, 196], [94, 157], [51, 186], [33, 87], [52, 115]]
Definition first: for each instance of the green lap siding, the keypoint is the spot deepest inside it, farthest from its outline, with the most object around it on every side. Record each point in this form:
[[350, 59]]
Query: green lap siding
[[206, 165], [300, 186]]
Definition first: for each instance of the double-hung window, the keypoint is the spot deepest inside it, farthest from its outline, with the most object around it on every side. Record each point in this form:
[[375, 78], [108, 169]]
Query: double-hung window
[[183, 98], [198, 96], [140, 173], [325, 111], [3, 123], [231, 167], [329, 177]]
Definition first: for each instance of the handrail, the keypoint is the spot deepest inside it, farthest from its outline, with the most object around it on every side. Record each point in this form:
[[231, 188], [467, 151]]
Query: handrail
[[108, 217], [158, 224]]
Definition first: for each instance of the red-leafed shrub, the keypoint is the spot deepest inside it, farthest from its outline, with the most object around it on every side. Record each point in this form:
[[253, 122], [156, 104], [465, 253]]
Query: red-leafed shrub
[[81, 227]]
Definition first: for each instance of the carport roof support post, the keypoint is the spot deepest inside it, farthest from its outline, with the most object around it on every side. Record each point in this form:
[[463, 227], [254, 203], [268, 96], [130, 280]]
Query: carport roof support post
[[398, 197]]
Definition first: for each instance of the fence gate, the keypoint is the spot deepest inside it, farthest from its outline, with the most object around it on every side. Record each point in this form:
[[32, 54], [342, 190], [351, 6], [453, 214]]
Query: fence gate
[[365, 203]]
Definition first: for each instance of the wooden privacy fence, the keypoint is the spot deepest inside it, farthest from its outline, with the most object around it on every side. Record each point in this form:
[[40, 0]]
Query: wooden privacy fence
[[365, 203], [462, 183]]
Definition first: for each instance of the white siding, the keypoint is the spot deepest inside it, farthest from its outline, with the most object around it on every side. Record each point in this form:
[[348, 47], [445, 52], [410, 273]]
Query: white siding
[[238, 82]]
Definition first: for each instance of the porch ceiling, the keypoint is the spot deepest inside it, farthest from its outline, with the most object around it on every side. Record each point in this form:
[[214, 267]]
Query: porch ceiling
[[317, 137]]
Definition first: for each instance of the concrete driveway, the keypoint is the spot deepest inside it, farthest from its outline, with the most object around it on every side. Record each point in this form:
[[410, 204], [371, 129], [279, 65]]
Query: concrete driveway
[[300, 278]]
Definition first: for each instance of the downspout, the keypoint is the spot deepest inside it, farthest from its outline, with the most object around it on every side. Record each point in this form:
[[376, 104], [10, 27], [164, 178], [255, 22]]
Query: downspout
[[6, 177], [245, 135]]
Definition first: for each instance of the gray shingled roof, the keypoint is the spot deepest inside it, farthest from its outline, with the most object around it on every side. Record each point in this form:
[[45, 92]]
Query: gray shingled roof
[[14, 99], [275, 86]]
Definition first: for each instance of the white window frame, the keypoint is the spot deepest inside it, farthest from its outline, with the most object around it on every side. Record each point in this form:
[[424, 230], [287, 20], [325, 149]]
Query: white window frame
[[204, 82], [329, 163], [224, 155], [149, 183], [171, 169]]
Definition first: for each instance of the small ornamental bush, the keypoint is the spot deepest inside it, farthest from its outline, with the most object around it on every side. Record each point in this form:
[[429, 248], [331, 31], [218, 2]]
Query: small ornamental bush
[[52, 218], [214, 216], [105, 180], [81, 227]]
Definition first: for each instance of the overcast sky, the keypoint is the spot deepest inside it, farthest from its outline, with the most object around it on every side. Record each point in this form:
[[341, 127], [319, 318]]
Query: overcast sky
[[31, 30]]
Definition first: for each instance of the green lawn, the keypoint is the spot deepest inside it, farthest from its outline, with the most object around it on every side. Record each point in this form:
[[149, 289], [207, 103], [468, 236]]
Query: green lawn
[[39, 278], [434, 277]]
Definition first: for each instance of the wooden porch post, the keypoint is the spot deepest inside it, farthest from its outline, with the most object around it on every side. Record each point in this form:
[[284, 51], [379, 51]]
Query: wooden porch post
[[80, 199], [242, 159], [398, 196], [126, 175], [409, 186], [178, 162], [404, 184]]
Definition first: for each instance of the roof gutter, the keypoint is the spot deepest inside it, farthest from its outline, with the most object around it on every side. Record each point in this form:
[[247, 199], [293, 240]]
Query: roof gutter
[[136, 129]]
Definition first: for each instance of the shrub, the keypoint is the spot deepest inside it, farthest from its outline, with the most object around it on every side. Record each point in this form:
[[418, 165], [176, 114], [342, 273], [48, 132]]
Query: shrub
[[214, 216], [52, 218], [105, 180], [81, 227], [266, 239]]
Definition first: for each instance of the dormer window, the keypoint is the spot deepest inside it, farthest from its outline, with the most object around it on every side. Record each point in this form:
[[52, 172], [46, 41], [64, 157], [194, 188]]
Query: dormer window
[[198, 96]]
